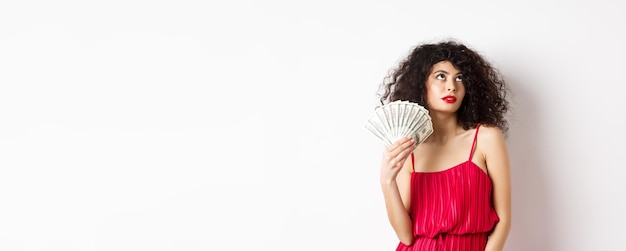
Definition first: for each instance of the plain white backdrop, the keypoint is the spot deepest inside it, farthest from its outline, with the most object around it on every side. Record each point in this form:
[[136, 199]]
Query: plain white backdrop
[[195, 125]]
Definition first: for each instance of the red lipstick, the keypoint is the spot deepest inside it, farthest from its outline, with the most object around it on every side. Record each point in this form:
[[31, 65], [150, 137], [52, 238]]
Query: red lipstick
[[449, 99]]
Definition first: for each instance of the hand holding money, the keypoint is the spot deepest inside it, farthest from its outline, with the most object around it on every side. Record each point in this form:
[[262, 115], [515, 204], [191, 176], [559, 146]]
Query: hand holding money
[[394, 157]]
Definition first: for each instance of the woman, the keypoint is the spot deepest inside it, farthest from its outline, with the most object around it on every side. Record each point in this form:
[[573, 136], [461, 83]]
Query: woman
[[452, 192]]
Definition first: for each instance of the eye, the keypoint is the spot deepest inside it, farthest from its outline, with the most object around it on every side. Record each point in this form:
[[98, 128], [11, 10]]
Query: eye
[[440, 76], [459, 78]]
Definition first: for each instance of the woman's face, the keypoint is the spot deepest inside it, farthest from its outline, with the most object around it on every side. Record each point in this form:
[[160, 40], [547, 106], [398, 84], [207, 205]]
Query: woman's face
[[444, 88]]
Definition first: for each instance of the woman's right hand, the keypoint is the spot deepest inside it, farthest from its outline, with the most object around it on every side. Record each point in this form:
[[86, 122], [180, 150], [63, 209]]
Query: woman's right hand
[[394, 157]]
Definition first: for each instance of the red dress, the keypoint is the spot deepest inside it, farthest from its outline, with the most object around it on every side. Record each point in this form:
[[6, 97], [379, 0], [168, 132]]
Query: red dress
[[451, 209]]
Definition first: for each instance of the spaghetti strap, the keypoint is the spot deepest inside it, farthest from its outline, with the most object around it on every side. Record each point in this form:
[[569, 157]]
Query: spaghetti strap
[[412, 163], [474, 143]]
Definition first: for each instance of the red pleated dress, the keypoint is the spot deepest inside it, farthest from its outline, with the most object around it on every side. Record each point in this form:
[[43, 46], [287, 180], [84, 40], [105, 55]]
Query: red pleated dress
[[451, 209]]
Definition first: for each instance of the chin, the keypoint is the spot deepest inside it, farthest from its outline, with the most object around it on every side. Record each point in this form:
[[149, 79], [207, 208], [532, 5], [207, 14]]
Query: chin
[[444, 110]]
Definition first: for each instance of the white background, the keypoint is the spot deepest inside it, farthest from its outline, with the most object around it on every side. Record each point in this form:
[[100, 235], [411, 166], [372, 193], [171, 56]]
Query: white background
[[195, 125]]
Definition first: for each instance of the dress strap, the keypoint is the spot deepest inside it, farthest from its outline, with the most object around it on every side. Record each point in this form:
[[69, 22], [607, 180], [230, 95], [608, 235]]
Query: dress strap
[[412, 162], [474, 143]]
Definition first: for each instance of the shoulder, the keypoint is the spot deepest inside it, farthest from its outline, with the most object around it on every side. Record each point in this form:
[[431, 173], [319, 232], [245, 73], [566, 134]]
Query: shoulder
[[492, 146], [490, 134]]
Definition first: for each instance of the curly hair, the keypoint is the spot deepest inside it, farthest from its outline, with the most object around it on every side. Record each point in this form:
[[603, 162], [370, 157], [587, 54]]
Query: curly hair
[[486, 90]]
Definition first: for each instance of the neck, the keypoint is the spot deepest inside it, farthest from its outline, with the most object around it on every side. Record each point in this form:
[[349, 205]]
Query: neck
[[444, 127]]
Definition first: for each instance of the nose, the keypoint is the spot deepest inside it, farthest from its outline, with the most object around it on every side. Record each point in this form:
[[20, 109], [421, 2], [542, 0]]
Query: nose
[[450, 86]]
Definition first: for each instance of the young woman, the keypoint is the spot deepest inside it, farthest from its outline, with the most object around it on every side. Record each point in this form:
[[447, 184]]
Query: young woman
[[452, 192]]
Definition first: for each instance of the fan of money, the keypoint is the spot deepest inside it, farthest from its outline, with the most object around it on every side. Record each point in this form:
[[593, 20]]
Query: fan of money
[[399, 119]]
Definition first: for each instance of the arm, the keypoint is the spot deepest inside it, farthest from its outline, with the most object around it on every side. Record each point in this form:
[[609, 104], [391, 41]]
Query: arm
[[395, 182], [498, 166]]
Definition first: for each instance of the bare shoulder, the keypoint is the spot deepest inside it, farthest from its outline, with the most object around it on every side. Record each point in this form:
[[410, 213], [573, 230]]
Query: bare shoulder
[[490, 135], [493, 150]]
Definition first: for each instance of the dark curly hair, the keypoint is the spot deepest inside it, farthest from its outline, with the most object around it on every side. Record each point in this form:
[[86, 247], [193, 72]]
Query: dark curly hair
[[486, 90]]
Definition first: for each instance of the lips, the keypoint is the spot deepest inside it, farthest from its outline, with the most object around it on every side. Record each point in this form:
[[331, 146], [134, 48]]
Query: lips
[[449, 99]]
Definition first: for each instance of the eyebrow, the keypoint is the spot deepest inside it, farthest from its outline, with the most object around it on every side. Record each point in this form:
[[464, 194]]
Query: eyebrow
[[446, 73]]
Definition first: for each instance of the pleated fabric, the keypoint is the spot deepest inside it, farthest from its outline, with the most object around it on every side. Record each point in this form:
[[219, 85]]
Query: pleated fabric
[[451, 209]]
